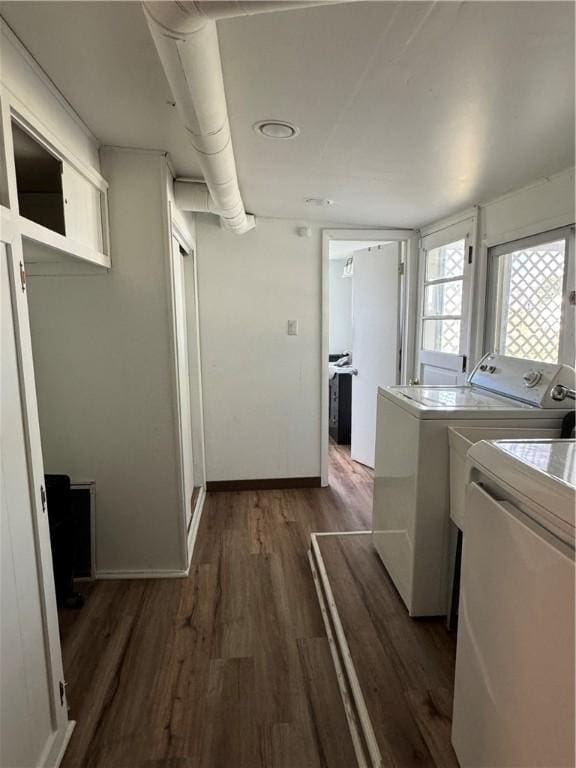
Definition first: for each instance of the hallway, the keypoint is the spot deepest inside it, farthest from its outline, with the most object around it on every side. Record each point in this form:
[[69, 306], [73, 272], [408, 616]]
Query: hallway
[[231, 666]]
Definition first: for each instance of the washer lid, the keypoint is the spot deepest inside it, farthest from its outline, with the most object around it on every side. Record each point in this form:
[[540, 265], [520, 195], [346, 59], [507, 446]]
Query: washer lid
[[540, 471], [450, 399]]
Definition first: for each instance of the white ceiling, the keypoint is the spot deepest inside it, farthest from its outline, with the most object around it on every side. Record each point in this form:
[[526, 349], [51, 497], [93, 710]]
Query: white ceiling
[[408, 111]]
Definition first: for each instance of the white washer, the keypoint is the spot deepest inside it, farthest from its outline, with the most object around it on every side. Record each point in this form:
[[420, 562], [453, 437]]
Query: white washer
[[411, 508], [515, 671]]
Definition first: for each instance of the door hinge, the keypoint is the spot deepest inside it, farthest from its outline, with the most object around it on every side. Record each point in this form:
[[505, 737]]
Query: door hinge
[[464, 363], [22, 277], [62, 686], [401, 268], [470, 253], [43, 498]]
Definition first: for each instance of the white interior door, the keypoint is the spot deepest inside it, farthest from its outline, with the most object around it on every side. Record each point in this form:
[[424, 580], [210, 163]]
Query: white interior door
[[182, 378], [33, 714], [444, 304], [375, 302]]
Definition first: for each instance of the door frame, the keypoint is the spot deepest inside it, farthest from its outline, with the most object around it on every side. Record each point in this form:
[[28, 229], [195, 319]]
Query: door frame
[[408, 298], [189, 529], [62, 726], [465, 225]]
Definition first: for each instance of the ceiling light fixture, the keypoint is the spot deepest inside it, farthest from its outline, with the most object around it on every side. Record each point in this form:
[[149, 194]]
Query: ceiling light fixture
[[276, 129], [319, 202]]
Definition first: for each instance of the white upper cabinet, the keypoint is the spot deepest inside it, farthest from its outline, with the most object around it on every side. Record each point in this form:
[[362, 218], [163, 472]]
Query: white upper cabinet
[[50, 181]]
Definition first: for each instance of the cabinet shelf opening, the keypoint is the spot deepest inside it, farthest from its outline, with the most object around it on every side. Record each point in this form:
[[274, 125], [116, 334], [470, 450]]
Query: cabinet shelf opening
[[38, 181]]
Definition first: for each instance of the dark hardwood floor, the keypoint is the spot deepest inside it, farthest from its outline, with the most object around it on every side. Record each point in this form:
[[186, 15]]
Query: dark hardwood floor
[[230, 667], [405, 666]]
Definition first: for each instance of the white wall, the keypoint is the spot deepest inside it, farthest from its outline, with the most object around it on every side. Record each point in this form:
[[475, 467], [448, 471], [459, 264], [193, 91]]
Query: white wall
[[340, 308], [105, 376], [261, 386], [546, 204]]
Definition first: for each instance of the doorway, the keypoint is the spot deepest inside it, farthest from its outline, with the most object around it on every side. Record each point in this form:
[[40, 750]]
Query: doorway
[[365, 306]]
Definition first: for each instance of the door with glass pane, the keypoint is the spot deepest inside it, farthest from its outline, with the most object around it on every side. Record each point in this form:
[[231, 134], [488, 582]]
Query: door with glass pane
[[531, 298], [444, 306]]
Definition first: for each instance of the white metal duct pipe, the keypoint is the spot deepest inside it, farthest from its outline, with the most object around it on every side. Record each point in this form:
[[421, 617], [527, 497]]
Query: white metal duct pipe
[[186, 39], [194, 196]]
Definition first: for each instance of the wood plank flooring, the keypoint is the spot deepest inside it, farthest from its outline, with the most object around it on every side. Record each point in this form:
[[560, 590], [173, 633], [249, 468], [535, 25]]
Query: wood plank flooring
[[231, 667], [405, 666]]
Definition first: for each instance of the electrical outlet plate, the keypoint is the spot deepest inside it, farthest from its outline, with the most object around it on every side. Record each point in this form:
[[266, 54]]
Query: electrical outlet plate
[[292, 328]]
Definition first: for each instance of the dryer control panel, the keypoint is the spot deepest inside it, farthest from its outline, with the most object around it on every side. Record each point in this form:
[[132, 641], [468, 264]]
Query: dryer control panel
[[529, 381]]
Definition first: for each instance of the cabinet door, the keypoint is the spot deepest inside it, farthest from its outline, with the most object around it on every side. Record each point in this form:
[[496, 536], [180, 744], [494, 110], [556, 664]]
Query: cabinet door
[[82, 209], [33, 716]]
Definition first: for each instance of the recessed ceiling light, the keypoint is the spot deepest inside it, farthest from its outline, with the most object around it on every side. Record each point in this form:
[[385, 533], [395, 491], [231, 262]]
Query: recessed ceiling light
[[318, 201], [276, 129]]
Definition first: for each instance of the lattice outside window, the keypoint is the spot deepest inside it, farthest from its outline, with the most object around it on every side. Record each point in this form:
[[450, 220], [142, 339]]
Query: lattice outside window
[[529, 301]]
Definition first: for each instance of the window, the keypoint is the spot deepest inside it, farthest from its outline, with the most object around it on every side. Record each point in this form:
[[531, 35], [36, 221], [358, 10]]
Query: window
[[443, 297], [529, 287]]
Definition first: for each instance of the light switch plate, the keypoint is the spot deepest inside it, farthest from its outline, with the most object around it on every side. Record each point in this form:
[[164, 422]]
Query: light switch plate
[[292, 328]]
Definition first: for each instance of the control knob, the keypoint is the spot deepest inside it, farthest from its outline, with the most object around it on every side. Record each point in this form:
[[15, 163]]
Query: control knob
[[532, 378]]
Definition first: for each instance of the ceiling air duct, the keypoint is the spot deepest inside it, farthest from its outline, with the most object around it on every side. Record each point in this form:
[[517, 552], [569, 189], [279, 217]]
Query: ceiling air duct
[[186, 38]]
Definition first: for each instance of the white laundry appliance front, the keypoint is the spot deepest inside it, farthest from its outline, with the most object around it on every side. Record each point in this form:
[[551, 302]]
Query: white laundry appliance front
[[515, 670], [411, 509]]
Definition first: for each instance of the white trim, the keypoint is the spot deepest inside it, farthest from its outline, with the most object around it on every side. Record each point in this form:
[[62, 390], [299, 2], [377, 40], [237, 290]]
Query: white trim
[[395, 234], [340, 675], [532, 185], [340, 533], [40, 73], [40, 234], [448, 221], [64, 744], [151, 574], [530, 230], [200, 425], [345, 654], [184, 237], [8, 149], [463, 226], [195, 525], [169, 256]]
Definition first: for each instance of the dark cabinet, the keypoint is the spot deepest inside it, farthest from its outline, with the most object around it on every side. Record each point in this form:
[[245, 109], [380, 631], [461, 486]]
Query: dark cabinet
[[340, 414]]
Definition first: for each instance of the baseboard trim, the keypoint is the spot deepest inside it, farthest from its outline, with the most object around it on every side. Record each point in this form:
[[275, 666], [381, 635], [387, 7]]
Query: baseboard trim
[[62, 746], [268, 484], [195, 525], [108, 575]]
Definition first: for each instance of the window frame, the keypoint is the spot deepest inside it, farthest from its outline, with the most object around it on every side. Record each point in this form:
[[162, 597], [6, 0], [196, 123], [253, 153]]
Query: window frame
[[441, 281], [567, 342]]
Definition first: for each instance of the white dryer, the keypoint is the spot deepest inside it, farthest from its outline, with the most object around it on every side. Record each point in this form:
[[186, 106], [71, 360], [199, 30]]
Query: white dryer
[[411, 508], [515, 671]]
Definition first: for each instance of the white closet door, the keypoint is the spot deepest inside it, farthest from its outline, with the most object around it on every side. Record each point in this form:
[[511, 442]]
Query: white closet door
[[183, 378], [375, 295], [33, 715]]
